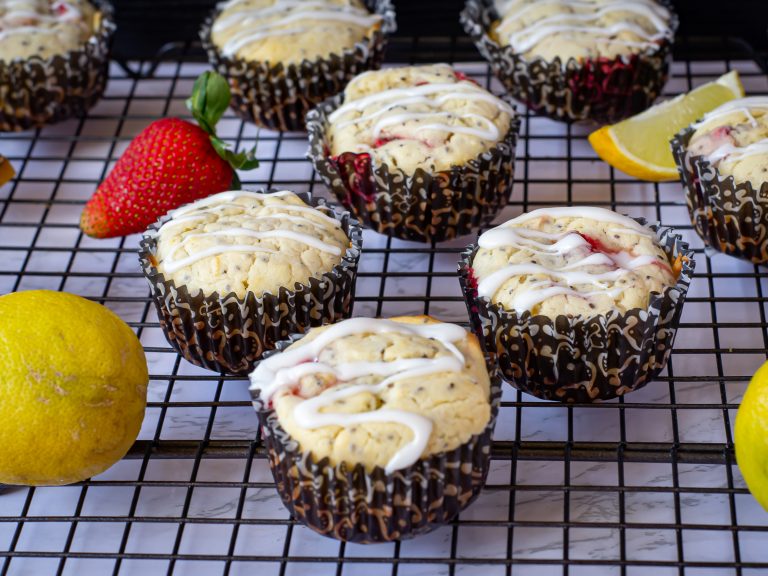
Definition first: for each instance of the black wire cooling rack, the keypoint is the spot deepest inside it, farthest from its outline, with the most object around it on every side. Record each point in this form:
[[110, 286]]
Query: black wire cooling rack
[[646, 485]]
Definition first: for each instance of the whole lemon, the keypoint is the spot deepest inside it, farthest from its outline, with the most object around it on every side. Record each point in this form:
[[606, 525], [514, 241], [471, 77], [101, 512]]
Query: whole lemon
[[74, 388], [751, 436]]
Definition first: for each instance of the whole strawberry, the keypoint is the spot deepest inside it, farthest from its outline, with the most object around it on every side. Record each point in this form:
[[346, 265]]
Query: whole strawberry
[[170, 163]]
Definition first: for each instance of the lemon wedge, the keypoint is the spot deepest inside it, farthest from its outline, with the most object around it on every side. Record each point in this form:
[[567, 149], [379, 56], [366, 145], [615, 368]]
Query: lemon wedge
[[639, 146]]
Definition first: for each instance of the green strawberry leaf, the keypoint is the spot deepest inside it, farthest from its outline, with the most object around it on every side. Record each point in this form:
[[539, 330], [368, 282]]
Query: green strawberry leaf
[[210, 98], [238, 160]]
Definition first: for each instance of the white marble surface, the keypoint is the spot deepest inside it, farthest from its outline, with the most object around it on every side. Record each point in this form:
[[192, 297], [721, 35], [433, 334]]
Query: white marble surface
[[594, 508]]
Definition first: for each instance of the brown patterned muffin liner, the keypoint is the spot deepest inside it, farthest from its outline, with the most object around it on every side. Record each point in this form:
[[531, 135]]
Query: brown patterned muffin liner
[[228, 334], [36, 91], [582, 359], [355, 505], [604, 90], [423, 207], [279, 96], [730, 217]]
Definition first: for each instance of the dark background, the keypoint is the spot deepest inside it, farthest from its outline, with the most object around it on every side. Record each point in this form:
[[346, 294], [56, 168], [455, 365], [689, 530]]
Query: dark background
[[144, 26]]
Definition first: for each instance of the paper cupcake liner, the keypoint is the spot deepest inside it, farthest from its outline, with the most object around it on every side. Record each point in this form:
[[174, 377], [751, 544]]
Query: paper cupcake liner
[[582, 359], [278, 97], [354, 505], [424, 207], [604, 90], [730, 217], [37, 91], [225, 333]]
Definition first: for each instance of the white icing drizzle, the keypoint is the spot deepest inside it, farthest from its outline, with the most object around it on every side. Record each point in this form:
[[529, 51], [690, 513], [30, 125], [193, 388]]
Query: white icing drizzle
[[241, 40], [171, 266], [531, 298], [590, 212], [201, 209], [490, 133], [504, 7], [522, 239], [229, 3], [395, 97], [529, 37], [22, 12], [275, 217], [743, 105], [568, 275], [525, 39], [228, 196], [297, 11], [393, 100], [284, 370], [27, 30], [731, 153], [438, 101], [245, 17]]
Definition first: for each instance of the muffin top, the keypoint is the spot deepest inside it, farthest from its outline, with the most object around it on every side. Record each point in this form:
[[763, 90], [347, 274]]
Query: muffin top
[[244, 241], [428, 117], [571, 262], [290, 31], [379, 392], [580, 29], [44, 27], [734, 138]]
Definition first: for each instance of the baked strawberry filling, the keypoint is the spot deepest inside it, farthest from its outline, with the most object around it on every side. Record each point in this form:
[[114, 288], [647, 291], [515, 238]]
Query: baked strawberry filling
[[598, 246]]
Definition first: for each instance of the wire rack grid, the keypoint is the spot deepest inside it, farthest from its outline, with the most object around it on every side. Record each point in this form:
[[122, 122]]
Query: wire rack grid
[[646, 485]]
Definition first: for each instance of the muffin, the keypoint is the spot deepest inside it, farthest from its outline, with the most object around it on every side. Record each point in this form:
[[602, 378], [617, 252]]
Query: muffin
[[236, 272], [598, 60], [283, 57], [419, 153], [377, 430], [53, 60], [723, 164], [578, 304]]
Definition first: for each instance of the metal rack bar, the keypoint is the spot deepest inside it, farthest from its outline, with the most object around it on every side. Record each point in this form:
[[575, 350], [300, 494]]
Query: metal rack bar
[[552, 468]]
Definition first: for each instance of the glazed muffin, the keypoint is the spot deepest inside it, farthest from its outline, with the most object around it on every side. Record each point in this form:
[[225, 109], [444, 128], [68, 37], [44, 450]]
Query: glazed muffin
[[420, 152], [579, 303], [361, 407], [581, 30], [600, 60], [239, 242], [296, 53], [723, 163], [40, 28], [64, 42], [275, 31], [237, 271], [417, 117], [582, 265]]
